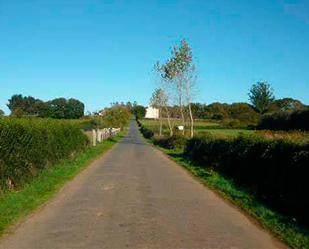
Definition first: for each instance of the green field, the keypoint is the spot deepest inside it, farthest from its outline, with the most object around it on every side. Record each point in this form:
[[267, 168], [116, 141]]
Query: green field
[[200, 127], [225, 132]]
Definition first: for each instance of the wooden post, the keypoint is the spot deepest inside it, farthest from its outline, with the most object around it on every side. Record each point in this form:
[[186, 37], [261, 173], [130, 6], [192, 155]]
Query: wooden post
[[99, 136]]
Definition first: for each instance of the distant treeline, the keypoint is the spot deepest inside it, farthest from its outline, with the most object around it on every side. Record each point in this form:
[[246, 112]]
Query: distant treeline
[[59, 108], [242, 110], [238, 115]]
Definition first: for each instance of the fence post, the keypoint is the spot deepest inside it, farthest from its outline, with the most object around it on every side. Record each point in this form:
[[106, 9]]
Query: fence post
[[99, 136]]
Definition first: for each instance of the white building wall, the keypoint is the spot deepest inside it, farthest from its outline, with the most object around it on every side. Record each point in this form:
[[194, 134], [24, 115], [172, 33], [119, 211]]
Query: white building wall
[[152, 112]]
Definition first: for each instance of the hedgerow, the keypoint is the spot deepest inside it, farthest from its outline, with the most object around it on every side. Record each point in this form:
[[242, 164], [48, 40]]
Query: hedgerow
[[176, 141], [29, 145], [275, 169], [297, 120]]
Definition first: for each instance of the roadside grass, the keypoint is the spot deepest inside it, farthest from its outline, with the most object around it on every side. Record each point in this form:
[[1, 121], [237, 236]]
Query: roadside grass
[[15, 205], [282, 227]]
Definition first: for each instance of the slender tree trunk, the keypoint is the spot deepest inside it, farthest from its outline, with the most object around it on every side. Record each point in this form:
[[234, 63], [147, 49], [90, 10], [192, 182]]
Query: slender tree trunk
[[192, 121], [183, 119], [182, 115], [160, 117], [169, 121]]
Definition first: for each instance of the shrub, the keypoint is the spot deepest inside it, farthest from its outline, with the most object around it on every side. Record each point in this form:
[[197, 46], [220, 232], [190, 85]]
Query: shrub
[[147, 133], [232, 123], [173, 142], [275, 169], [29, 145]]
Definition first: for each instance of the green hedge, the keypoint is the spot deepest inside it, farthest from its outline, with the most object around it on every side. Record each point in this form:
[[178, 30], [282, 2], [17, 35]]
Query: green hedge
[[176, 141], [147, 133], [29, 145], [277, 169]]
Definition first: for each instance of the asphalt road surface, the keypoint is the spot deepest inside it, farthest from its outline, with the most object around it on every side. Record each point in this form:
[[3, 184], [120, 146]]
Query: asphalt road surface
[[135, 197]]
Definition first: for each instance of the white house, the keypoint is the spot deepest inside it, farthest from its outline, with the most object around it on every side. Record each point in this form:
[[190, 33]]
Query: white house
[[152, 112]]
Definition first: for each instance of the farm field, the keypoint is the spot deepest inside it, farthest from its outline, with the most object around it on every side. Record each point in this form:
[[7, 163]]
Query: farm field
[[225, 132], [200, 127]]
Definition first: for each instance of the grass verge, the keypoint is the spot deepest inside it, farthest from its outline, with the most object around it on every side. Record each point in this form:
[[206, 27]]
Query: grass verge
[[282, 227], [17, 204]]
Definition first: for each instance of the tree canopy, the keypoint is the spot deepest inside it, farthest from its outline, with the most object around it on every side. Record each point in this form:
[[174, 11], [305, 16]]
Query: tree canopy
[[59, 108], [116, 116], [261, 96], [139, 111]]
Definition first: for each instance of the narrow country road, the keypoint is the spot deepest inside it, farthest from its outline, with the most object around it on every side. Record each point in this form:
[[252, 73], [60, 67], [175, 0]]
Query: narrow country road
[[135, 197]]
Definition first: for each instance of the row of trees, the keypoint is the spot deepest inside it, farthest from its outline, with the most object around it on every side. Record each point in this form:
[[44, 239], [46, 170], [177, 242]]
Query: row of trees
[[59, 108], [221, 111]]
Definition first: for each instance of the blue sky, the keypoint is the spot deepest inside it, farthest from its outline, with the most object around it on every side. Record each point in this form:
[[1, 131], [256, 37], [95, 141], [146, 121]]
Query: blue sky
[[103, 51]]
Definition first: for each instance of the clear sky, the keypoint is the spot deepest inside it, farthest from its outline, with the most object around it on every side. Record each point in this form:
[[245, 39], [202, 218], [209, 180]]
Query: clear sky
[[103, 51]]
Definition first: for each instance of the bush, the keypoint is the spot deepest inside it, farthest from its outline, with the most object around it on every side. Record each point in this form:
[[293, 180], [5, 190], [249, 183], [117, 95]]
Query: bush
[[173, 142], [29, 145], [276, 169], [297, 120], [146, 132], [232, 123]]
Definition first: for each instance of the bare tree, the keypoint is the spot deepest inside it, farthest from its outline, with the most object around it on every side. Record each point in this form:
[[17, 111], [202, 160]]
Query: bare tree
[[155, 101], [189, 87], [160, 100]]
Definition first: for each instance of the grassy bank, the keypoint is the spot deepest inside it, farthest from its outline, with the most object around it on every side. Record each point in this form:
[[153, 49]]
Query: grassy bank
[[17, 204]]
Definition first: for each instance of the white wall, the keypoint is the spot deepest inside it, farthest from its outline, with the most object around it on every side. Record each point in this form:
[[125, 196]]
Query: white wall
[[152, 112]]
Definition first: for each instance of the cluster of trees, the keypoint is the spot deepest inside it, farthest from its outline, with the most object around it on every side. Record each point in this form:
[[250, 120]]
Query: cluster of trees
[[241, 113], [176, 78], [59, 108], [118, 115], [263, 100], [134, 108], [246, 114], [139, 111]]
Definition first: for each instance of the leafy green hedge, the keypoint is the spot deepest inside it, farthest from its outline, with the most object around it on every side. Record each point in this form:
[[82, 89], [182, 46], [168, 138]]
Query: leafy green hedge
[[147, 133], [277, 169], [29, 145], [174, 142]]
